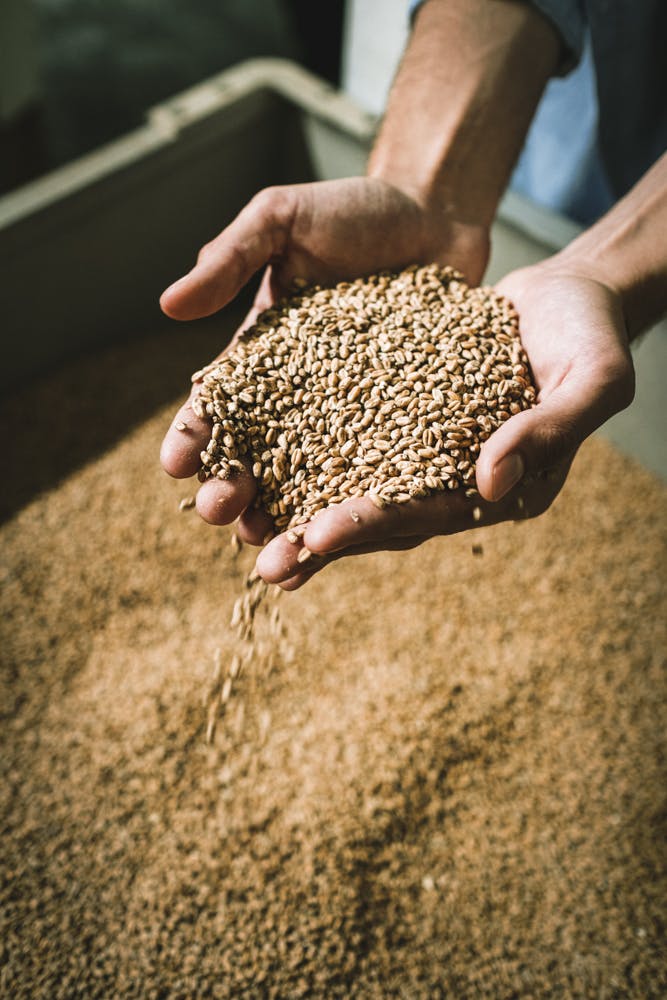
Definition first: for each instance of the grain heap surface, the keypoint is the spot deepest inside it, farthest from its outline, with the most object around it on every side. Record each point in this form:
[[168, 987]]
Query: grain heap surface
[[385, 386], [455, 789]]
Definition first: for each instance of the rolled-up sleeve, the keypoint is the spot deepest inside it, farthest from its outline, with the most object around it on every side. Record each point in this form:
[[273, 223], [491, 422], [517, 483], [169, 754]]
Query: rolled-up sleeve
[[568, 18]]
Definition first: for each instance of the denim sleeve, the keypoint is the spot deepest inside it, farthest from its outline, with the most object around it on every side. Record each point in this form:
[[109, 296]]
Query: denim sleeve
[[568, 18]]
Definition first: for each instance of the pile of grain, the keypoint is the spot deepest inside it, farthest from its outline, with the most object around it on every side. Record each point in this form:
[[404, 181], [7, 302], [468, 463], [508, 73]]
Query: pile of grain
[[386, 386], [456, 789]]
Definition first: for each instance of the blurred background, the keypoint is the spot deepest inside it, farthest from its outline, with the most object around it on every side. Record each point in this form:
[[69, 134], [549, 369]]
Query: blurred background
[[75, 74]]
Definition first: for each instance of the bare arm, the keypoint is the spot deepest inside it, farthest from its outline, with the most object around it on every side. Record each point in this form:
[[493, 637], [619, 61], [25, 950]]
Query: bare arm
[[462, 102], [627, 251]]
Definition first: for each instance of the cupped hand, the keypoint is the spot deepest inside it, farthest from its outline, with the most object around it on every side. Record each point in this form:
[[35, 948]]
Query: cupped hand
[[321, 233], [571, 324], [573, 330]]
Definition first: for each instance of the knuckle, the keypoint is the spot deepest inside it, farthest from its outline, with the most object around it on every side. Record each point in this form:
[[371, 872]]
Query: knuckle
[[204, 252], [273, 202]]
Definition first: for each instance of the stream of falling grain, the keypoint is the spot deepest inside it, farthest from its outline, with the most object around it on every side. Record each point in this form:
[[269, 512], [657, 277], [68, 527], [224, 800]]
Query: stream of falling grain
[[261, 643]]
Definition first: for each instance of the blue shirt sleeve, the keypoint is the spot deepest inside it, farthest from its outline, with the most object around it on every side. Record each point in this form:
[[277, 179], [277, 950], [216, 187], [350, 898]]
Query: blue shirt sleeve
[[568, 18]]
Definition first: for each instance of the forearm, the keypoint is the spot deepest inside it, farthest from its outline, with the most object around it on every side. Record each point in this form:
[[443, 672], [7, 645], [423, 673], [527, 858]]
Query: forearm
[[461, 104], [627, 250]]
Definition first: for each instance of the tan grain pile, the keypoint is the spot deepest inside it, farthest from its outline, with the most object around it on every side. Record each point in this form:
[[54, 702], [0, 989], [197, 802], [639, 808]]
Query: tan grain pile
[[456, 789]]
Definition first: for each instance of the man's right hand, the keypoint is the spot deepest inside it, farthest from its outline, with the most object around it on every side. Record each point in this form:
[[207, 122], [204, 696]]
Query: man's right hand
[[321, 233]]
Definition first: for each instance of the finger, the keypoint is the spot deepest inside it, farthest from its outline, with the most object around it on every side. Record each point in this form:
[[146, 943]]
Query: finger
[[258, 234], [221, 501], [189, 434], [549, 434], [319, 563], [255, 526], [297, 581], [183, 443], [282, 561], [360, 521]]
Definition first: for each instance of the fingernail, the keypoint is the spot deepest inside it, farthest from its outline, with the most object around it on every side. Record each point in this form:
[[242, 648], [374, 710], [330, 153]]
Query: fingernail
[[507, 473]]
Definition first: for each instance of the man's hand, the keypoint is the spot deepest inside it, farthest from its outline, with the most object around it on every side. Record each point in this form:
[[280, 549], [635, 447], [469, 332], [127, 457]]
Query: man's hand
[[461, 105], [573, 330], [578, 311], [322, 232]]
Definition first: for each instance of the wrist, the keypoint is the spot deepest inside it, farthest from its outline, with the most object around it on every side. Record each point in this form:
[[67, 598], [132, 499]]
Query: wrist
[[578, 261], [441, 192], [607, 265], [435, 235], [627, 251]]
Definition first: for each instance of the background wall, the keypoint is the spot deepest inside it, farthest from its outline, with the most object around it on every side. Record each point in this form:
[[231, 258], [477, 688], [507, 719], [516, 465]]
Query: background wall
[[75, 74], [374, 36]]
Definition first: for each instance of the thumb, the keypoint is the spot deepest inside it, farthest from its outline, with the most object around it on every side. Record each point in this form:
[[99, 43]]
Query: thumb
[[541, 438], [258, 234]]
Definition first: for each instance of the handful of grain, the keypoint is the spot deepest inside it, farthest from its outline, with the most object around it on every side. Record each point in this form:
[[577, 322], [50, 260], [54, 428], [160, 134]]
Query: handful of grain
[[385, 386]]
